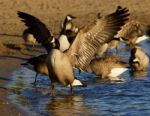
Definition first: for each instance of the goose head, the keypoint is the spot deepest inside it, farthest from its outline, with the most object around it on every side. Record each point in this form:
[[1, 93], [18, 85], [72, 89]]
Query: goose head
[[70, 17], [139, 60]]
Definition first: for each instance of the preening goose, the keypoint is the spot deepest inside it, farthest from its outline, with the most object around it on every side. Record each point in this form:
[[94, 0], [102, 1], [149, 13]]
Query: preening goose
[[88, 40], [139, 60], [108, 68]]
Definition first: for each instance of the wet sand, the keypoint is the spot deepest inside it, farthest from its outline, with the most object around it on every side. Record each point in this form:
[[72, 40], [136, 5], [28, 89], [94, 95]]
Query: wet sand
[[52, 13]]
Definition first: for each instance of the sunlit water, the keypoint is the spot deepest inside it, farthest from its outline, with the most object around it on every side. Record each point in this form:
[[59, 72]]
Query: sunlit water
[[128, 98]]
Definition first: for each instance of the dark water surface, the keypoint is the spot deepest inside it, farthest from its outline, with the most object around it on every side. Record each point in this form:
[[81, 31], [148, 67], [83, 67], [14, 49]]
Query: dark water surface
[[128, 98]]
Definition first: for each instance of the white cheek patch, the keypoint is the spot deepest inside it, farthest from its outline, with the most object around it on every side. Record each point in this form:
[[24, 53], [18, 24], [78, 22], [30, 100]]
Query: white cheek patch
[[69, 18], [53, 40]]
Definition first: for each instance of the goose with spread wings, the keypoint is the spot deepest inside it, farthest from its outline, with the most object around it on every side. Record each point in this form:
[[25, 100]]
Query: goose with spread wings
[[88, 40]]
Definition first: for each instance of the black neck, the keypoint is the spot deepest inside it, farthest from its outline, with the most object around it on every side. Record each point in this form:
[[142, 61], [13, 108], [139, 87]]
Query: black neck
[[57, 44]]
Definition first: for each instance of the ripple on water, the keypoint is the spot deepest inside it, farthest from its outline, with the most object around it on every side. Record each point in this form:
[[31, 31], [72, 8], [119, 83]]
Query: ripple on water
[[98, 98]]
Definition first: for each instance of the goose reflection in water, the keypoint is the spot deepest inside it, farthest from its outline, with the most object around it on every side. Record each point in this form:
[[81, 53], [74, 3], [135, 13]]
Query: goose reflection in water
[[68, 105]]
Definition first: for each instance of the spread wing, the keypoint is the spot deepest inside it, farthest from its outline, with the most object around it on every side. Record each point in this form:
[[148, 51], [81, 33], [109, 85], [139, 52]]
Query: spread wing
[[37, 28], [89, 39]]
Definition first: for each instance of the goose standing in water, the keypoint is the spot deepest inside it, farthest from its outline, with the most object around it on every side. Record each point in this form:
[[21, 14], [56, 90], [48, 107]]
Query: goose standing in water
[[88, 40], [38, 63], [139, 60]]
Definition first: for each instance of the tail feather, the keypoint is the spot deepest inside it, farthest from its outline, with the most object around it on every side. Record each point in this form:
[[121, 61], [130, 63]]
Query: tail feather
[[78, 83]]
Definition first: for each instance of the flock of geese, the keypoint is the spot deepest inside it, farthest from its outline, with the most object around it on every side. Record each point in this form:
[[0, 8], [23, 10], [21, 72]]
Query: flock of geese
[[83, 48]]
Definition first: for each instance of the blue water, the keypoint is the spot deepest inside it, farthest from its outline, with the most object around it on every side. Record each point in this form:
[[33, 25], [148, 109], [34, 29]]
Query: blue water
[[99, 98]]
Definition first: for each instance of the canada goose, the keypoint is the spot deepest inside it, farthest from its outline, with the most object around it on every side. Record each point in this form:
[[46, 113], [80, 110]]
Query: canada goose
[[28, 37], [60, 65], [108, 67], [68, 33], [68, 25], [37, 64], [130, 33], [139, 60]]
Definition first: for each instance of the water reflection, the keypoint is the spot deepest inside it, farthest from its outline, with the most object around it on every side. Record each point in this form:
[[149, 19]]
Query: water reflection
[[139, 74], [68, 105]]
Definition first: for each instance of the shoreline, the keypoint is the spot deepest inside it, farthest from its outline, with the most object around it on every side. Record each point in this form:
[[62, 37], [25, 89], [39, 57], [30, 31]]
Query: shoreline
[[7, 107], [10, 62]]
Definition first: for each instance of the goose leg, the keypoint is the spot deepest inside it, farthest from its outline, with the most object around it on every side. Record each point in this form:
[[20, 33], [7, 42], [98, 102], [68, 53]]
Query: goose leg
[[52, 89], [35, 79], [71, 88]]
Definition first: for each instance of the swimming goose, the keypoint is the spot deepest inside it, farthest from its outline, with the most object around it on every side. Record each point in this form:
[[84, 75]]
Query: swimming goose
[[60, 65], [28, 37], [139, 60], [108, 67]]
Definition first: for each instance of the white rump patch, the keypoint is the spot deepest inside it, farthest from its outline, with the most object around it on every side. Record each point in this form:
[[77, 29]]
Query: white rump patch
[[53, 40], [76, 83], [142, 38], [117, 71]]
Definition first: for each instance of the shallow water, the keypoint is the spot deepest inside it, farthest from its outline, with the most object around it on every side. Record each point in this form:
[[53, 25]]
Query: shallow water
[[98, 98]]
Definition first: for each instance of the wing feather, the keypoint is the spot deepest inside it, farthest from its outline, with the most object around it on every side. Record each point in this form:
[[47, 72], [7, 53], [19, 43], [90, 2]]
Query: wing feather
[[90, 38], [37, 28]]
